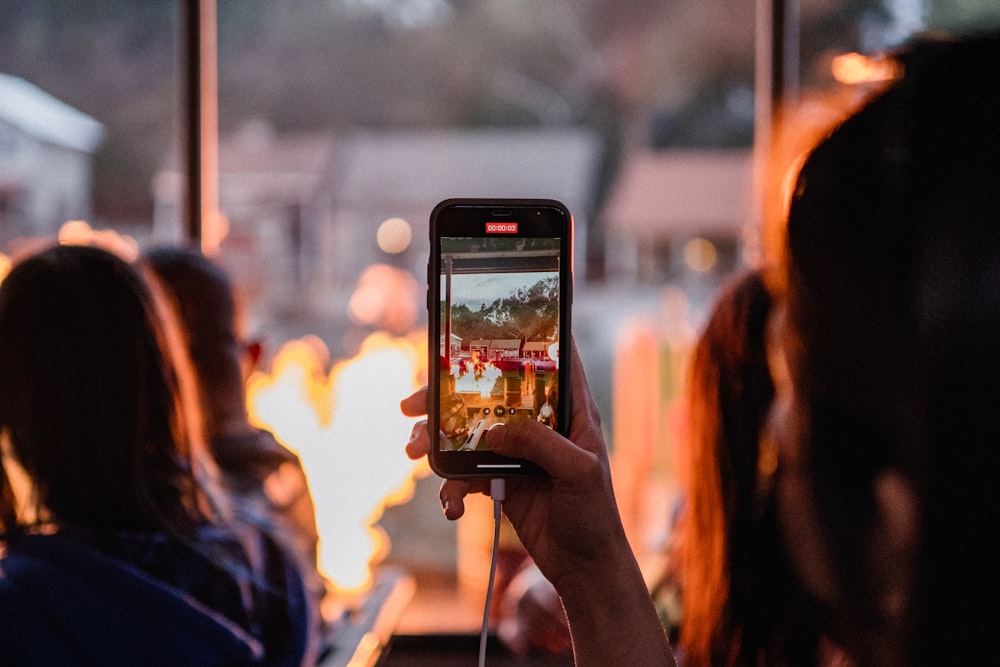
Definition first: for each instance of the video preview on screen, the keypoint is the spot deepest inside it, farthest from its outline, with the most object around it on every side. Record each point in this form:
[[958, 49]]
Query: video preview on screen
[[499, 346]]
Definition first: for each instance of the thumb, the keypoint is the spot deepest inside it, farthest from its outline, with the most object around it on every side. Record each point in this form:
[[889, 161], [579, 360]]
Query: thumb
[[540, 444]]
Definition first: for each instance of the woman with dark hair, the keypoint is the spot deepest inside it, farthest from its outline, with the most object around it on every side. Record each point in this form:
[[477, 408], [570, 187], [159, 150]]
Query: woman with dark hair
[[266, 478], [741, 604], [882, 441], [116, 543], [887, 366]]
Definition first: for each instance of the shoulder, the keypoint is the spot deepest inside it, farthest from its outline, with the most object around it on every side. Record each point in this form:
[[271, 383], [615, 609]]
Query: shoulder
[[29, 636], [16, 608], [258, 448], [58, 594], [286, 610]]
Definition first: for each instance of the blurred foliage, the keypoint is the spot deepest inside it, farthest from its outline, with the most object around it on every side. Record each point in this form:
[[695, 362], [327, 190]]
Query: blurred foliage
[[531, 313]]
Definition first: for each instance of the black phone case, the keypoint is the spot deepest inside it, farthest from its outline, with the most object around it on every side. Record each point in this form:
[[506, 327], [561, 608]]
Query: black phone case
[[544, 219]]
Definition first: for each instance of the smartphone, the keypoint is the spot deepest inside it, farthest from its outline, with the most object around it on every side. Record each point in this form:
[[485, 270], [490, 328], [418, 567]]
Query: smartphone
[[499, 292]]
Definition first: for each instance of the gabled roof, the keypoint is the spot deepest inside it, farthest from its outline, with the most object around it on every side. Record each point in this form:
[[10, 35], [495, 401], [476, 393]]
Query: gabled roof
[[687, 192], [505, 344], [256, 148], [39, 114], [410, 168]]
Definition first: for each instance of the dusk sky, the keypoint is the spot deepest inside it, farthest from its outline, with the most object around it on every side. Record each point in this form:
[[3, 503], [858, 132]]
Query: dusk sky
[[473, 290]]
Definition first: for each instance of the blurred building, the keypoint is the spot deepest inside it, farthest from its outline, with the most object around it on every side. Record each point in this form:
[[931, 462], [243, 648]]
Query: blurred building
[[304, 209], [273, 188], [404, 173], [674, 212], [46, 154]]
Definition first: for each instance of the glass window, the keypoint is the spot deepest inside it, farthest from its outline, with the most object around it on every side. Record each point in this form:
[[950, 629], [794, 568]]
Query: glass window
[[341, 123]]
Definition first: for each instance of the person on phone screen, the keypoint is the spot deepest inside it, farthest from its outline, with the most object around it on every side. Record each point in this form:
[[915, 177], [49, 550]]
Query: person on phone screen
[[547, 413]]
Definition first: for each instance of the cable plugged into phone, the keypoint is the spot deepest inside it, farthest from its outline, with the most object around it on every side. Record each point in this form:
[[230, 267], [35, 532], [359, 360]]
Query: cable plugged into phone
[[498, 492]]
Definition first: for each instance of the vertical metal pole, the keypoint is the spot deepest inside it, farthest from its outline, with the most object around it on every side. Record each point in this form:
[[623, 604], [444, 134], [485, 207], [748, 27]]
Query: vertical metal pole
[[201, 165], [777, 61], [776, 81], [191, 29]]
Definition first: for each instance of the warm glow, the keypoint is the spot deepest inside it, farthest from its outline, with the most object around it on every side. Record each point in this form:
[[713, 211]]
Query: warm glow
[[387, 298], [347, 429], [855, 68], [4, 266], [366, 304], [394, 236], [700, 255], [474, 375], [21, 485], [214, 230], [79, 232]]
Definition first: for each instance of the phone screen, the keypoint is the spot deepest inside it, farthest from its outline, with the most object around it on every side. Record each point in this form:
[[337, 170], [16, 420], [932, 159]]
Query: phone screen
[[501, 284]]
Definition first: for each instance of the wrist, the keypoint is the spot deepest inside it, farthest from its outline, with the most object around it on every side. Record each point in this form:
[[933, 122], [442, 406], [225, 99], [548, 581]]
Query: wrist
[[611, 616]]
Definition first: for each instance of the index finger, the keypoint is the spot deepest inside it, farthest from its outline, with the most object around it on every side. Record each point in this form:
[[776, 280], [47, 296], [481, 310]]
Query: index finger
[[585, 422], [415, 405], [419, 444]]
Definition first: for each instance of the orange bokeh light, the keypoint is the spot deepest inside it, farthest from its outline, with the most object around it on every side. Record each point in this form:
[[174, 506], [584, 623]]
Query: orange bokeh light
[[856, 68]]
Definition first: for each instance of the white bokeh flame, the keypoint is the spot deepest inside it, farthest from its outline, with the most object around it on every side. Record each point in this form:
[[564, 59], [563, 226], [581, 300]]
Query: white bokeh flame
[[471, 377], [347, 429]]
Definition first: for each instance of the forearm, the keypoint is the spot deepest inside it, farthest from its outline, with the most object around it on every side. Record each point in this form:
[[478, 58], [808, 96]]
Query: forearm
[[612, 618]]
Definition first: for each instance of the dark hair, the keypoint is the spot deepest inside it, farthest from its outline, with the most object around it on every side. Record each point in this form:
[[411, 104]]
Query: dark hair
[[204, 299], [740, 599], [90, 400], [894, 314]]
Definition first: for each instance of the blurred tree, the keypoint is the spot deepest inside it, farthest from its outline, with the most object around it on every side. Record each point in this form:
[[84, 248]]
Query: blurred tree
[[638, 71], [530, 313], [114, 60]]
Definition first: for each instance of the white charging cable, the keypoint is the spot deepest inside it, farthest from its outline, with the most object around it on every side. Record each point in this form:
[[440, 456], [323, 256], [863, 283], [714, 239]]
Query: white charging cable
[[498, 492]]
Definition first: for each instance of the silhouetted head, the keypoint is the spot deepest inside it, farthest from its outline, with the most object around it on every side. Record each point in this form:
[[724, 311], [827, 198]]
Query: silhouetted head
[[891, 404], [91, 402], [741, 602], [205, 301]]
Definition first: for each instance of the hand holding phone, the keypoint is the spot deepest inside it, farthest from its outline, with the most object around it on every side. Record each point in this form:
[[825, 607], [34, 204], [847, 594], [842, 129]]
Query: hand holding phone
[[569, 523], [500, 281]]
